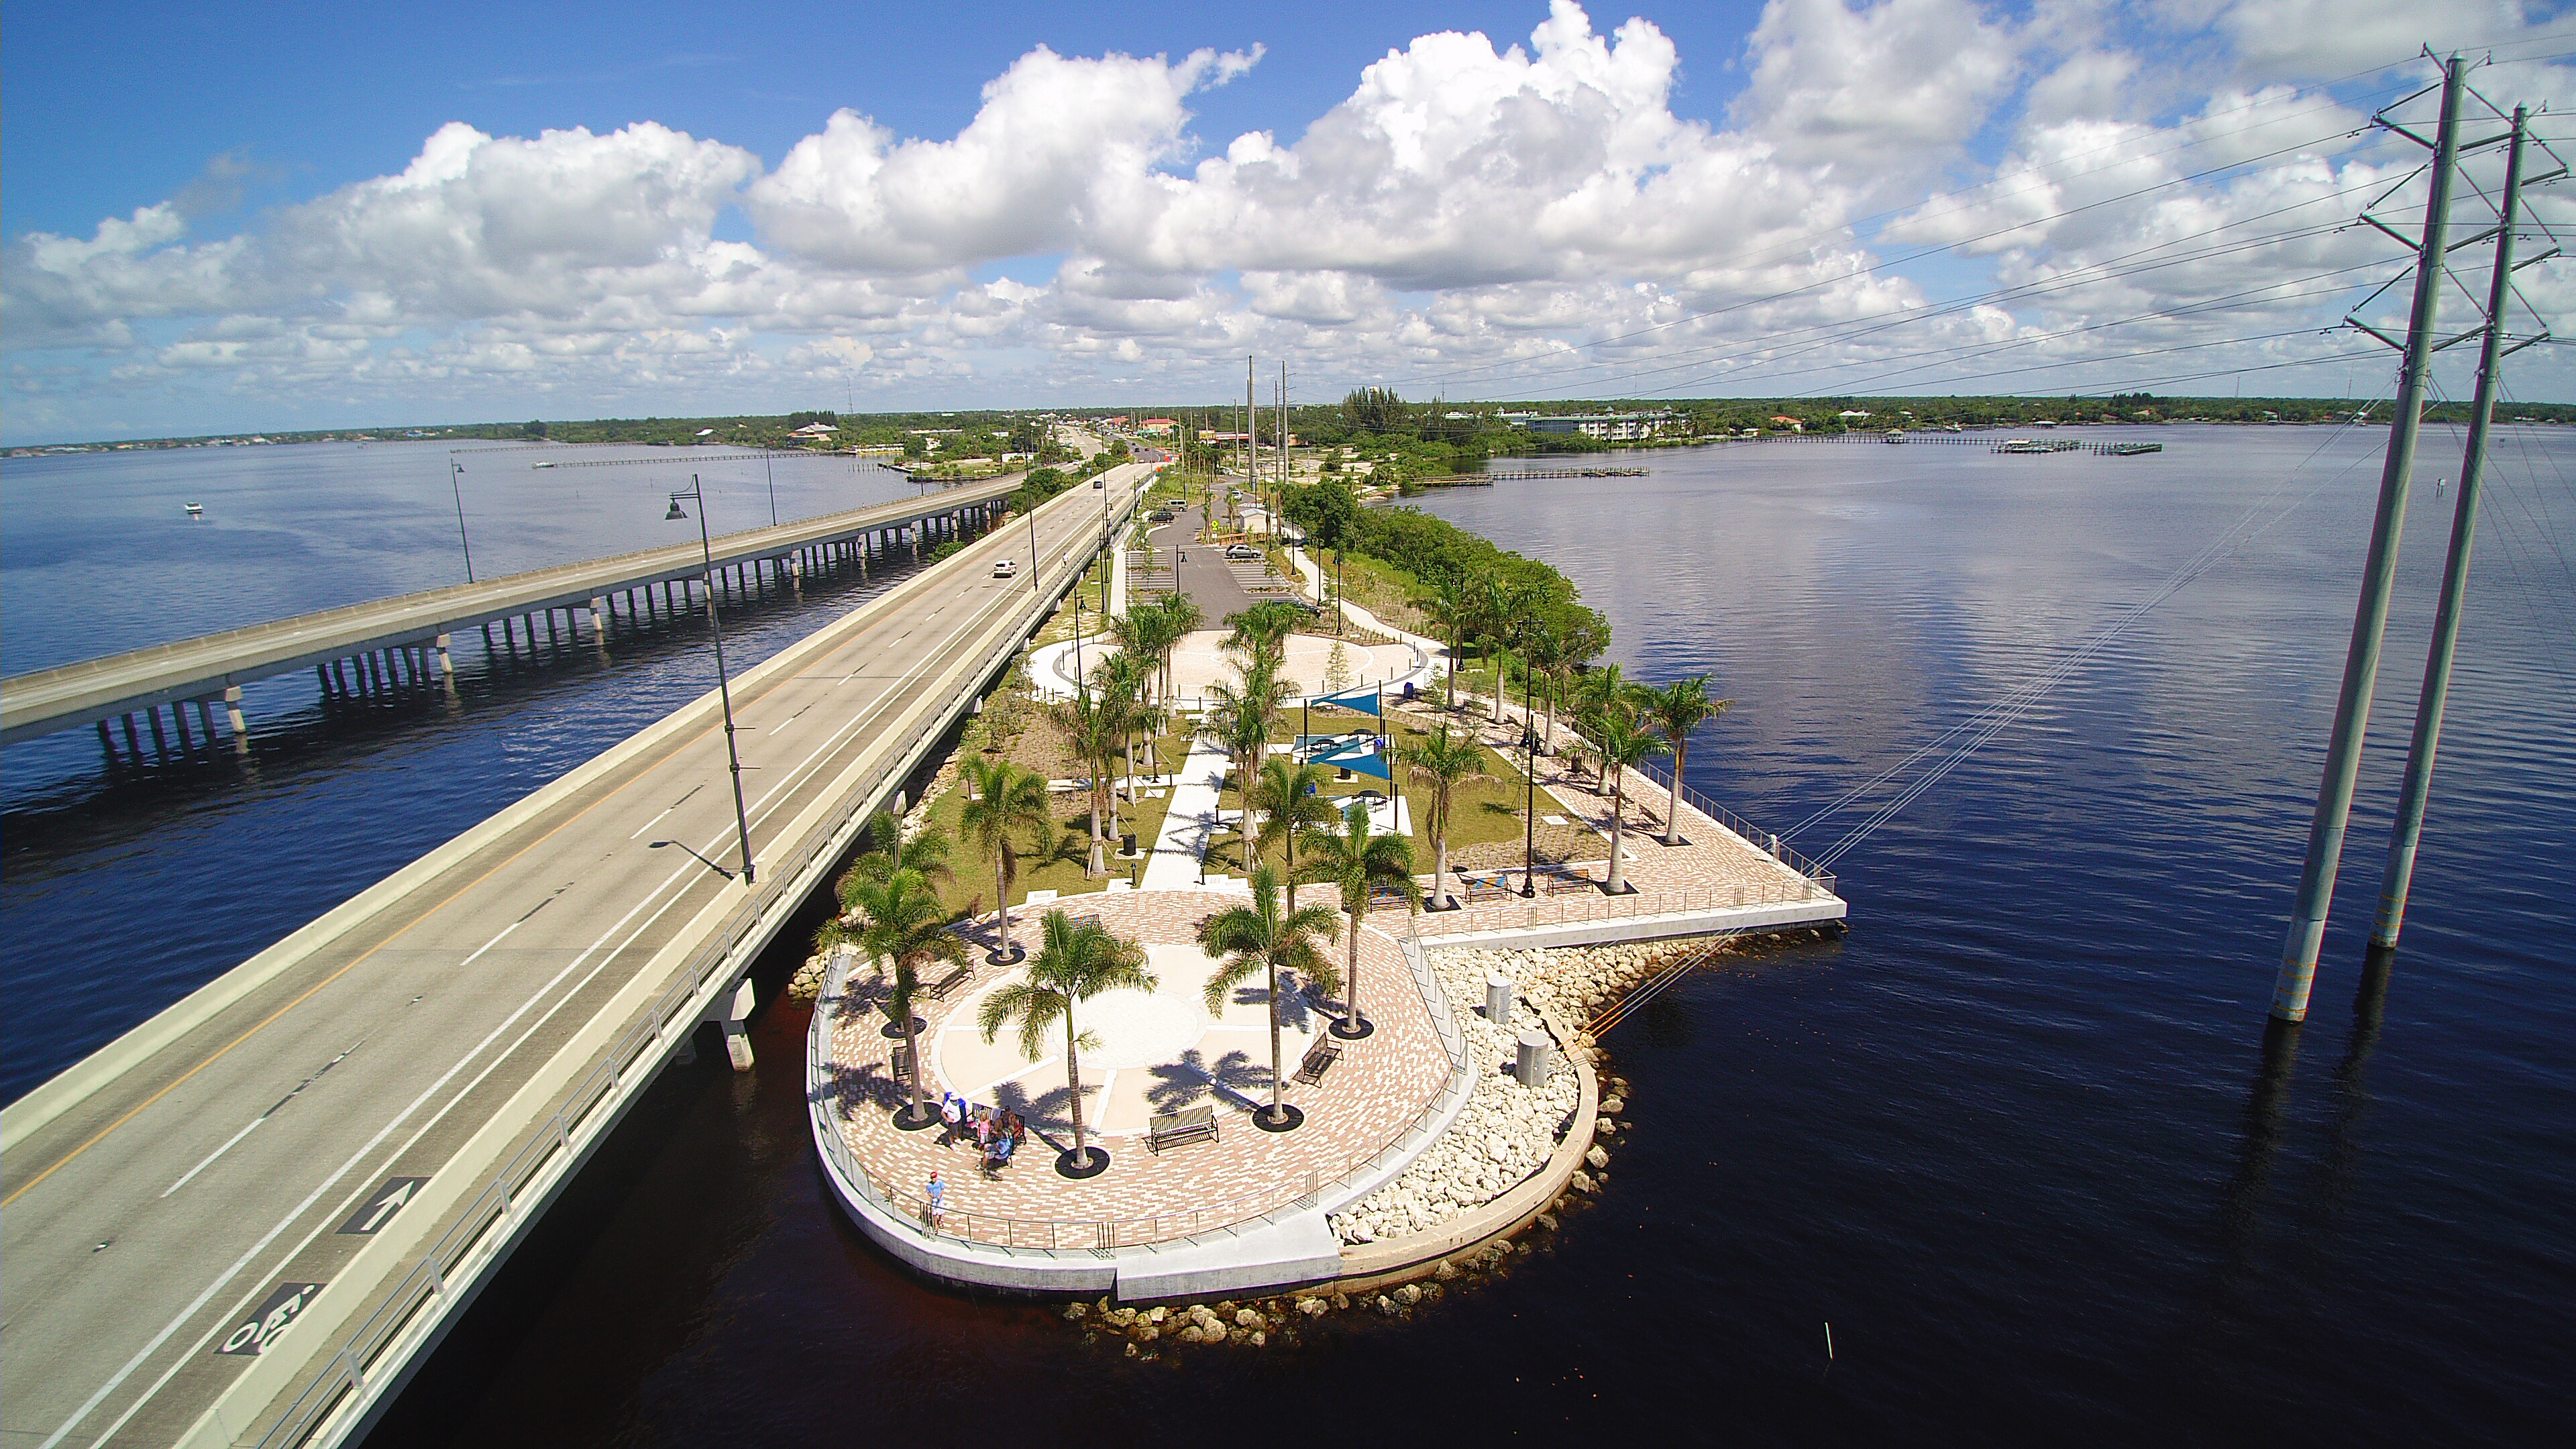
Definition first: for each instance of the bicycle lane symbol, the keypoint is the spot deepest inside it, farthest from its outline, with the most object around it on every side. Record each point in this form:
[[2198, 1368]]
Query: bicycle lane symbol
[[254, 1334]]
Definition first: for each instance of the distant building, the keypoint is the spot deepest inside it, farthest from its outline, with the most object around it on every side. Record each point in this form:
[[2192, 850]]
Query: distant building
[[1792, 424], [1603, 427], [1156, 427], [814, 430]]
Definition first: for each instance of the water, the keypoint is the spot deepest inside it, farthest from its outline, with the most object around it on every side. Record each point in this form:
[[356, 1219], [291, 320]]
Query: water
[[2013, 1137]]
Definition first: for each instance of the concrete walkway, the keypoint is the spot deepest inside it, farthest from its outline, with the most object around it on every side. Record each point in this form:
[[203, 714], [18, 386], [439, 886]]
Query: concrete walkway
[[1308, 570], [1190, 821]]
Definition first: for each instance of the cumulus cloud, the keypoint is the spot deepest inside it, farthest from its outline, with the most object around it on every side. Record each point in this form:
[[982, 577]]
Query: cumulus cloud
[[1481, 217]]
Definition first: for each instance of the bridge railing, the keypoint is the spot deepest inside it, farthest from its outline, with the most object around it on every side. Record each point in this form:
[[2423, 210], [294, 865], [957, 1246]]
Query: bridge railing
[[493, 1214], [323, 618]]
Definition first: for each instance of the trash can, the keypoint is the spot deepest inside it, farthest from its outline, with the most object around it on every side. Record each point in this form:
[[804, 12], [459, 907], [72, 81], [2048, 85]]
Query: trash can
[[1127, 844]]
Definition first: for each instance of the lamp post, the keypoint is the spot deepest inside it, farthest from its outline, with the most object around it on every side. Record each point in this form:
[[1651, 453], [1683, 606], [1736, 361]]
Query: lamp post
[[1529, 811], [771, 474], [724, 688], [456, 485]]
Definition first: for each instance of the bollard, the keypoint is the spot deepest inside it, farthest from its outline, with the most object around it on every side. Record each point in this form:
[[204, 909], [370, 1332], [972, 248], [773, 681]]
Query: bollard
[[1537, 1058], [1498, 999]]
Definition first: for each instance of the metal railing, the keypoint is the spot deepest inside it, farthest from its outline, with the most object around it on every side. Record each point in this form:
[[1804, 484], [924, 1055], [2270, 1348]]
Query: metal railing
[[1752, 834], [535, 1168], [1518, 914]]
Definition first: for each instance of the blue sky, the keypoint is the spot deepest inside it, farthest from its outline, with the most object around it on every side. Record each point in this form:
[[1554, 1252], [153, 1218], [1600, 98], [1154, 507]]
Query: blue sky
[[237, 218]]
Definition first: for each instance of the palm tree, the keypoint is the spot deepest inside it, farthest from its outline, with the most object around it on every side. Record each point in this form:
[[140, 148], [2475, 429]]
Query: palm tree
[[906, 925], [1091, 731], [1261, 632], [1006, 801], [926, 852], [1240, 719], [1262, 940], [1677, 709], [1444, 762], [1604, 692], [1124, 679], [1454, 607], [1290, 797], [1620, 745], [1358, 860], [1076, 960]]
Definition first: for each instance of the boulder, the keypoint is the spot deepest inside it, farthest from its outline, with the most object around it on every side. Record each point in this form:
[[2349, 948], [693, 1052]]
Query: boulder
[[1597, 1158]]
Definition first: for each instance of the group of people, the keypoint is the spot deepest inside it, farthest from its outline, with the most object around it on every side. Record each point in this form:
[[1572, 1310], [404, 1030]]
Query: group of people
[[997, 1132]]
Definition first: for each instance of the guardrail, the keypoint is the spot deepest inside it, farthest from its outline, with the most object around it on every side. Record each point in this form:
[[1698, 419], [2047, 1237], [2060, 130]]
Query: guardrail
[[472, 1242], [1141, 1232]]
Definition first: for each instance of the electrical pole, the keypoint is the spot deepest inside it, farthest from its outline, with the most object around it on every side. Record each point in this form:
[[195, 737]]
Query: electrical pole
[[2418, 786], [2370, 615]]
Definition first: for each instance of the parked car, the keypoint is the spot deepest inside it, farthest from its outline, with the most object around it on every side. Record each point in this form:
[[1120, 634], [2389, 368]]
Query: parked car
[[1241, 551]]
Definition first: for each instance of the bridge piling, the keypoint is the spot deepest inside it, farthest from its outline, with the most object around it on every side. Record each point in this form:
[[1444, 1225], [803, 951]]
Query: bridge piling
[[160, 741]]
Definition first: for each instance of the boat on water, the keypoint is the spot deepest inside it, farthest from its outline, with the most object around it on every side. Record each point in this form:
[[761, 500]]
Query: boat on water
[[1896, 435], [2021, 445], [196, 510], [541, 465]]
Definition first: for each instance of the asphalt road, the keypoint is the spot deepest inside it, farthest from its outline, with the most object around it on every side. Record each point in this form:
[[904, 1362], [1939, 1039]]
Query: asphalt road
[[145, 1227]]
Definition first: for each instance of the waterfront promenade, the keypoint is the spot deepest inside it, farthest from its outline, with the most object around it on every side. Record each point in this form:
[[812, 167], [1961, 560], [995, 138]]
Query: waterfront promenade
[[244, 1220]]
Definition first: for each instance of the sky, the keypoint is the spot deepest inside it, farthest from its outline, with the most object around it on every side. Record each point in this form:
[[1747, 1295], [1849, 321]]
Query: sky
[[226, 218]]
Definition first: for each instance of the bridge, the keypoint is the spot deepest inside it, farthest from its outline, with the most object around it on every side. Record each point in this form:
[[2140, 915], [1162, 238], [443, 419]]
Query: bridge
[[365, 648], [246, 1221]]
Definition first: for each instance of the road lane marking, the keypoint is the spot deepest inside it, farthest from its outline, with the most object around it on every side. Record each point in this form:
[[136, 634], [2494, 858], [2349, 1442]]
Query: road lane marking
[[211, 1156], [374, 1142]]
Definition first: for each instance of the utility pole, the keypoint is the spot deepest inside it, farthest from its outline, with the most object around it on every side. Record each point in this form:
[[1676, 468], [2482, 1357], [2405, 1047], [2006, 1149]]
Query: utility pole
[[2370, 615], [1251, 435], [2418, 786]]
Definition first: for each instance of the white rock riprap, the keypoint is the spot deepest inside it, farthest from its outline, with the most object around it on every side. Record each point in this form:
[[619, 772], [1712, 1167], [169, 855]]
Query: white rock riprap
[[1577, 982], [1505, 1133]]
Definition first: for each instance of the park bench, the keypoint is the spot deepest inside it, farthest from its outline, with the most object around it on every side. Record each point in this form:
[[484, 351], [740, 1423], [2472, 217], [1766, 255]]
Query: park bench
[[1559, 882], [1485, 888], [1172, 1129], [1385, 895], [1319, 1058], [951, 982]]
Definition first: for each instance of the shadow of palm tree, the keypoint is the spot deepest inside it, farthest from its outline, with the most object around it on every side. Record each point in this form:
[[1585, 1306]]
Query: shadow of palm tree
[[1049, 1113], [1235, 1077]]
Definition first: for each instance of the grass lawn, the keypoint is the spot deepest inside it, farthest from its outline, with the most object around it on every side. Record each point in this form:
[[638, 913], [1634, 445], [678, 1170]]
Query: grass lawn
[[1060, 872]]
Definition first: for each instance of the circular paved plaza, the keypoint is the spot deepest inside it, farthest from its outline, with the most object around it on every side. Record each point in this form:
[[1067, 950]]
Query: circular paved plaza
[[1156, 1052]]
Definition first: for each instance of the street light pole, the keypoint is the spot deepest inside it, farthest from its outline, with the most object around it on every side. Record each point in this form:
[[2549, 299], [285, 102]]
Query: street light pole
[[456, 485], [724, 687], [1529, 811], [771, 474]]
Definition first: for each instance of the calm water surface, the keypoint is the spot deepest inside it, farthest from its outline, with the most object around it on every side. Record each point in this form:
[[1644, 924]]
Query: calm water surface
[[2014, 1137]]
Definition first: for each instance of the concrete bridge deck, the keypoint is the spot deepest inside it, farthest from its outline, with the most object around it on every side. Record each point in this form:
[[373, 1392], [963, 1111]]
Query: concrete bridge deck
[[243, 1222], [409, 628]]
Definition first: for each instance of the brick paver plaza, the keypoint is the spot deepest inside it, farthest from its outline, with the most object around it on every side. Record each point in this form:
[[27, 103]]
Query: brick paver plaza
[[1161, 1053]]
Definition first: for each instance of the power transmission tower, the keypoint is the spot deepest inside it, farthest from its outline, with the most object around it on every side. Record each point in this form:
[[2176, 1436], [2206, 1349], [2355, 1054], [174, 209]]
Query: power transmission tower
[[2370, 616], [2495, 346]]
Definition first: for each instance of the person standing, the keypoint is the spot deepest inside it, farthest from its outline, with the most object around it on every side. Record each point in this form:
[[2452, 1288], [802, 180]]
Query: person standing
[[937, 1192]]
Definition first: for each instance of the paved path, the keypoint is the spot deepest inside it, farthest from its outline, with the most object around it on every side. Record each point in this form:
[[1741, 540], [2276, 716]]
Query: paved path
[[422, 1033], [1190, 821]]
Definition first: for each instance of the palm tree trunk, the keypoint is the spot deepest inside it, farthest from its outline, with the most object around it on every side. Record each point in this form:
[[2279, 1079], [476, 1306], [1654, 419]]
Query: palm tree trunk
[[912, 1044], [1002, 900], [1275, 1113], [1440, 853], [1615, 880], [1673, 804], [1351, 976], [1073, 1084]]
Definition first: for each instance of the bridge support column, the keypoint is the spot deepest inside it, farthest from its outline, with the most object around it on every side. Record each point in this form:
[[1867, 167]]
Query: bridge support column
[[446, 658], [233, 717], [133, 744], [107, 742], [730, 1012], [206, 717], [599, 621], [160, 741]]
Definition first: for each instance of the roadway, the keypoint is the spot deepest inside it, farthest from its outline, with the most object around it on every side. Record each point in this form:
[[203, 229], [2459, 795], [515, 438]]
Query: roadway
[[70, 695], [155, 1213]]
